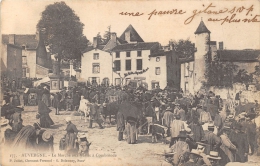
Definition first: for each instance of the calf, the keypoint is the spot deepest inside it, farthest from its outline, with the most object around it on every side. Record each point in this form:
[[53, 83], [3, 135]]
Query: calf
[[159, 129]]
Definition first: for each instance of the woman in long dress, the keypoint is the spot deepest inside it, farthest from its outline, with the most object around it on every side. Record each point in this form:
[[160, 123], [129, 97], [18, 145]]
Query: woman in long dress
[[45, 119], [71, 135]]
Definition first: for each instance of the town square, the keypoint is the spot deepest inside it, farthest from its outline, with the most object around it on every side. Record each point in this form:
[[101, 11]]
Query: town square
[[130, 83]]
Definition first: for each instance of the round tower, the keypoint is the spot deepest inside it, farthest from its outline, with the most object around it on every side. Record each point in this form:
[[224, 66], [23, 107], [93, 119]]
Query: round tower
[[202, 35]]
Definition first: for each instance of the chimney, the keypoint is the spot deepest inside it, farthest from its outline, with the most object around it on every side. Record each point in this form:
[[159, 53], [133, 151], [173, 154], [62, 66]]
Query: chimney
[[221, 45], [127, 36], [11, 38], [171, 45], [95, 42], [113, 36]]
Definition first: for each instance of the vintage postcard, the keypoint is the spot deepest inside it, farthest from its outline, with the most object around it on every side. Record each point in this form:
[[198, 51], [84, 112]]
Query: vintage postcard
[[132, 83]]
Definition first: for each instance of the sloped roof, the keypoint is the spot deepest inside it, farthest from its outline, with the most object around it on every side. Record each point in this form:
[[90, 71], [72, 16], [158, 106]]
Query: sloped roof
[[184, 60], [202, 28], [239, 55], [134, 36], [121, 41], [28, 40], [90, 48], [135, 46], [160, 53]]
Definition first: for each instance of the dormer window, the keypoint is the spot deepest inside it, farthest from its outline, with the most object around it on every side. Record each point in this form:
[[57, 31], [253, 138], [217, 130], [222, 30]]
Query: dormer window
[[96, 56], [128, 54], [139, 53], [117, 54], [23, 47]]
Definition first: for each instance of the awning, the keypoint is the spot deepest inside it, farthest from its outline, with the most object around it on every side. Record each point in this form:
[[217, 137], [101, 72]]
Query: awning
[[45, 80]]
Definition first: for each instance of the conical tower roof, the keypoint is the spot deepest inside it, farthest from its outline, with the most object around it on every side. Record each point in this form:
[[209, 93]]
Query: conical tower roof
[[202, 28], [134, 36]]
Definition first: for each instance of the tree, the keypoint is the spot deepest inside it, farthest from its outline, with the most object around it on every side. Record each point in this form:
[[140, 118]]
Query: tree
[[107, 33], [219, 74], [184, 48], [62, 31], [257, 71]]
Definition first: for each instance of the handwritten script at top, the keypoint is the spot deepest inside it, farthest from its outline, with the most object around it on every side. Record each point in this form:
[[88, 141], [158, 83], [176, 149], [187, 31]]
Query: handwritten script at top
[[224, 15]]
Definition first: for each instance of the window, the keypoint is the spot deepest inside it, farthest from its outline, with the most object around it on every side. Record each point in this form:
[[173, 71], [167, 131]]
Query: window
[[117, 65], [128, 65], [139, 64], [24, 59], [155, 85], [139, 53], [117, 81], [157, 71], [128, 54], [23, 47], [24, 72], [94, 80], [96, 56], [157, 59], [186, 86], [186, 71], [127, 81], [117, 54], [96, 68]]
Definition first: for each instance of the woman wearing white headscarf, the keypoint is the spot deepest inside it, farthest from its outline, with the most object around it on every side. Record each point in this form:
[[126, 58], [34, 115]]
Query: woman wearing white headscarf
[[71, 135]]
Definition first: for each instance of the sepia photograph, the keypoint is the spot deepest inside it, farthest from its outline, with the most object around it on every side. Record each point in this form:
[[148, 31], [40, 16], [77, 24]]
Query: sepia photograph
[[130, 82]]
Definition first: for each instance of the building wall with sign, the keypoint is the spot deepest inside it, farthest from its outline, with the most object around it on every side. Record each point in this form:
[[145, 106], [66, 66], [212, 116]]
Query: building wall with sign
[[138, 64]]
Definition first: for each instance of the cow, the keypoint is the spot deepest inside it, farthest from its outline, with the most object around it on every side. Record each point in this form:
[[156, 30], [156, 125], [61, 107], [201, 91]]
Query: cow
[[84, 108], [161, 130], [110, 109]]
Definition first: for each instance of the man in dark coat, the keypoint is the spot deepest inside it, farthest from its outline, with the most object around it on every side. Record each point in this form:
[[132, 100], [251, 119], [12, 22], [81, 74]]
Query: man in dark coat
[[239, 139], [131, 130], [94, 115], [57, 100], [120, 125], [7, 110], [76, 100]]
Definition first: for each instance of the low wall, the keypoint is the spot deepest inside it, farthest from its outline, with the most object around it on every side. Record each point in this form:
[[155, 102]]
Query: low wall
[[225, 93]]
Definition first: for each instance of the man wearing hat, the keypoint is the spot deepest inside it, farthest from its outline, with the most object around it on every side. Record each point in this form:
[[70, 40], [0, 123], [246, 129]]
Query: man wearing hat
[[205, 116], [176, 126], [218, 121], [168, 157], [45, 141], [168, 117], [227, 147], [214, 158], [212, 139], [83, 144], [76, 100], [180, 147], [249, 128], [4, 127], [7, 109], [239, 139]]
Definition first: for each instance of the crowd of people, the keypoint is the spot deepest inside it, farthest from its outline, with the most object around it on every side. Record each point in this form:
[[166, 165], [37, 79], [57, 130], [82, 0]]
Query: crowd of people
[[203, 129]]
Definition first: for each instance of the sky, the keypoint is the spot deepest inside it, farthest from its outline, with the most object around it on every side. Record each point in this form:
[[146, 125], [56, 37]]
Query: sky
[[21, 17]]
